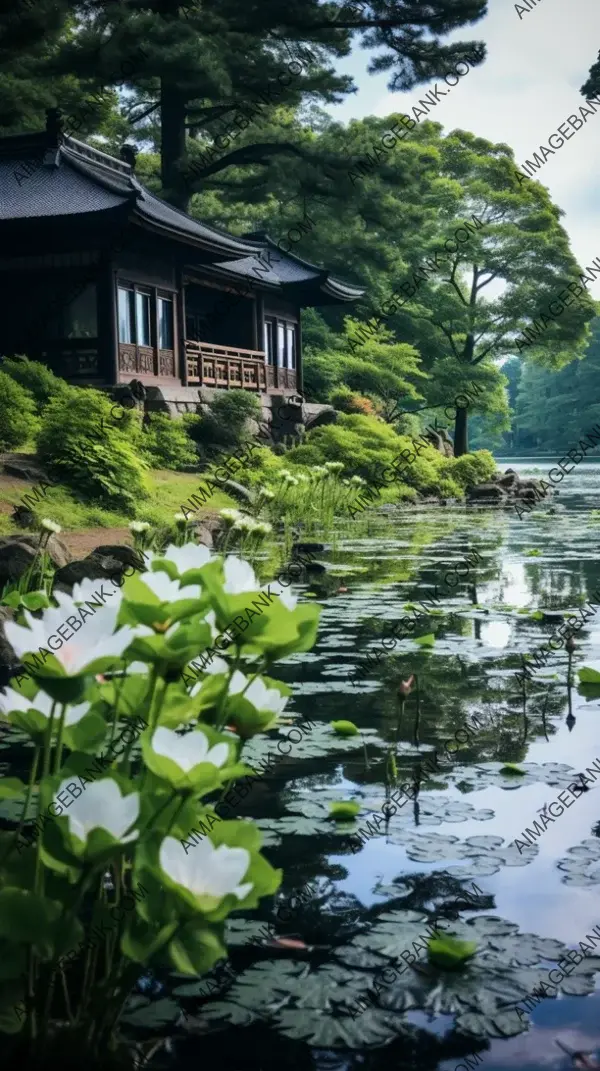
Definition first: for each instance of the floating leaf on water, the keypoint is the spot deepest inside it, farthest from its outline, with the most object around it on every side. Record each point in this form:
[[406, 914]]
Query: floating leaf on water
[[344, 809], [425, 641], [511, 769], [344, 728], [582, 865], [449, 953], [533, 553], [589, 675]]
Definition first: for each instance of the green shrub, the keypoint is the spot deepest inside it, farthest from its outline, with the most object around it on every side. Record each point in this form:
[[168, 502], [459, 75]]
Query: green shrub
[[82, 447], [305, 455], [36, 378], [18, 421], [349, 401], [225, 423], [471, 469], [261, 467], [166, 444]]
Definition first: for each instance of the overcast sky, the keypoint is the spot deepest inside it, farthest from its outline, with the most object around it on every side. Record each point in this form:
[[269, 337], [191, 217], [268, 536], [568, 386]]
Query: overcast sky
[[523, 92]]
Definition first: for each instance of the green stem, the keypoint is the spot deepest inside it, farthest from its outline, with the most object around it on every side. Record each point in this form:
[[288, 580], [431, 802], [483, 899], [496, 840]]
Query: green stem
[[32, 777], [59, 741]]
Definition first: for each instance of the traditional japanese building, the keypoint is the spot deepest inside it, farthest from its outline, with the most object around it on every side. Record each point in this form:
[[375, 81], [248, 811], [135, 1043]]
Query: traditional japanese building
[[105, 282]]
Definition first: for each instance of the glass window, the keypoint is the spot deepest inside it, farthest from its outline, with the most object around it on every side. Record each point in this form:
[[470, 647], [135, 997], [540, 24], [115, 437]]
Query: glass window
[[126, 333], [165, 324], [142, 318], [290, 331], [268, 341], [280, 345], [81, 316]]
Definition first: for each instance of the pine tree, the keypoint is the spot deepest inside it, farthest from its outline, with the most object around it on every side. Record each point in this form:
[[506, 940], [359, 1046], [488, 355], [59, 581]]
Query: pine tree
[[215, 65]]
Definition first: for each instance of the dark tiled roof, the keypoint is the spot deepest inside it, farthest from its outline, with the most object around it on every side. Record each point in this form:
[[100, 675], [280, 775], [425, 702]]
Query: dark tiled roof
[[45, 177], [30, 189]]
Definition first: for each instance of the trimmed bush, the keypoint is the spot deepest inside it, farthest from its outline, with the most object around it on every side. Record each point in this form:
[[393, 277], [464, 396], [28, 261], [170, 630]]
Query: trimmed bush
[[36, 378], [225, 424], [80, 445], [471, 469], [18, 421], [166, 443], [348, 401]]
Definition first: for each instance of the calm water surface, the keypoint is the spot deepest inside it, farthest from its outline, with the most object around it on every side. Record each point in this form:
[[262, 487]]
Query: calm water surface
[[546, 561], [397, 557]]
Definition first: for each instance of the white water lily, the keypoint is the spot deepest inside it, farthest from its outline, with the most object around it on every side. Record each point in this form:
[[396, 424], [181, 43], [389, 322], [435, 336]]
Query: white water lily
[[92, 590], [230, 516], [50, 526], [189, 750], [12, 700], [289, 601], [101, 806], [206, 870], [239, 576], [86, 645], [257, 693], [217, 665], [190, 556], [168, 590]]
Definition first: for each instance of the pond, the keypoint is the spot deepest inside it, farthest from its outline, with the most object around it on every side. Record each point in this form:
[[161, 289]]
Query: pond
[[371, 884]]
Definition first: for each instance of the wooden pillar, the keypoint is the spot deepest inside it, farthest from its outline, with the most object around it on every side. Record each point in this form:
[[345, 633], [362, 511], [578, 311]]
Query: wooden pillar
[[299, 353], [259, 321], [181, 328], [108, 333]]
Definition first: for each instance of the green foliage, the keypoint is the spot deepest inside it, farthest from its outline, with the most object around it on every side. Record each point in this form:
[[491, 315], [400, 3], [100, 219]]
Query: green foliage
[[554, 409], [166, 444], [366, 445], [305, 454], [18, 421], [471, 469], [261, 466], [321, 375], [82, 447], [35, 377], [226, 422], [348, 401], [145, 796]]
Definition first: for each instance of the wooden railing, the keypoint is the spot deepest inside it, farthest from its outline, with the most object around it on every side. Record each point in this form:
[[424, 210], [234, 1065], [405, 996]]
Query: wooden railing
[[225, 366]]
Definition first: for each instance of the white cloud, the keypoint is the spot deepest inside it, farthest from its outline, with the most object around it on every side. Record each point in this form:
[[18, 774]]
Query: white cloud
[[523, 92]]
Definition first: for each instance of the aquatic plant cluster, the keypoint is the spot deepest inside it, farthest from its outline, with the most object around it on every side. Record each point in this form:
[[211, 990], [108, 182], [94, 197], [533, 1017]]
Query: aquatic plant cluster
[[125, 832], [407, 791], [284, 910], [562, 635], [70, 614], [539, 827], [406, 625], [240, 790], [426, 944], [566, 966]]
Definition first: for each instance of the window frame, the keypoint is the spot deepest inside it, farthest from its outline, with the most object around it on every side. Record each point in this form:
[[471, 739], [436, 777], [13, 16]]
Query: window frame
[[163, 295]]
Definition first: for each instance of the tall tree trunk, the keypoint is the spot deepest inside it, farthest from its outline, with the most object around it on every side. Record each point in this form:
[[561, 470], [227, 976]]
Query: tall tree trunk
[[172, 129], [461, 433]]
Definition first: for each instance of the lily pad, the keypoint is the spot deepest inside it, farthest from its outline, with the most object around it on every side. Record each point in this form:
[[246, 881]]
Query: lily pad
[[448, 953], [344, 728], [344, 810], [512, 770], [582, 865], [425, 641]]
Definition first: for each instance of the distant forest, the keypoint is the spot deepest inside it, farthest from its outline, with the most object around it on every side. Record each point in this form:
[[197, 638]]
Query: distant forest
[[549, 410]]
